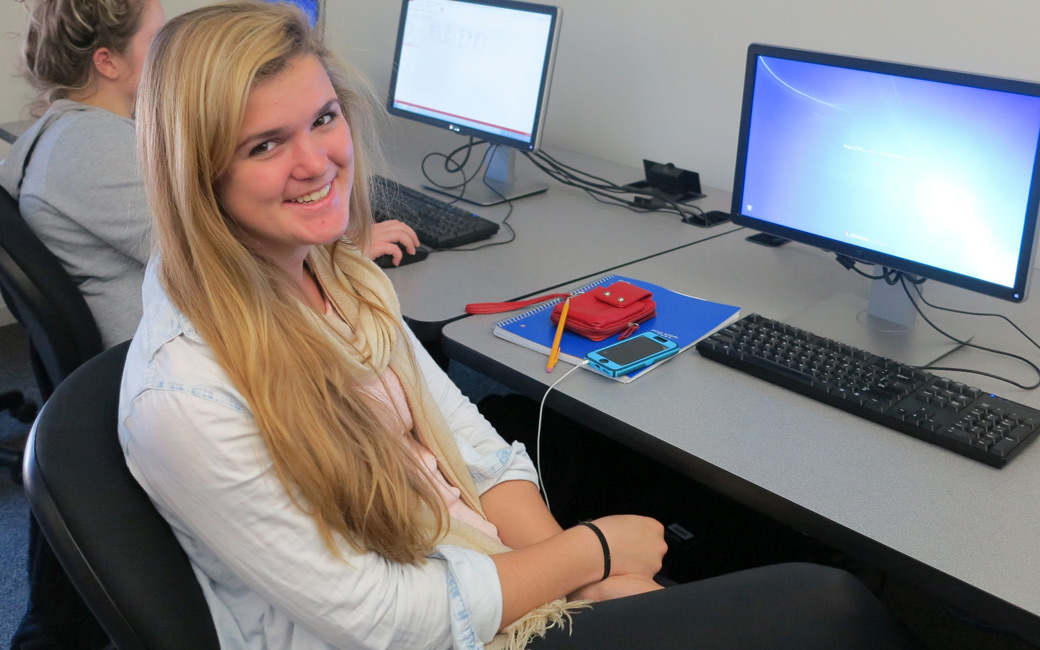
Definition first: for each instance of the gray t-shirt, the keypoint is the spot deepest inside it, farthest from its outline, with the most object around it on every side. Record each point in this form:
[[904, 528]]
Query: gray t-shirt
[[83, 196]]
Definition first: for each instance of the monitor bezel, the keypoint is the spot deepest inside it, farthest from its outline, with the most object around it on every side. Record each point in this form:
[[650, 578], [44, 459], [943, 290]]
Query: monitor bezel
[[543, 92], [1015, 293]]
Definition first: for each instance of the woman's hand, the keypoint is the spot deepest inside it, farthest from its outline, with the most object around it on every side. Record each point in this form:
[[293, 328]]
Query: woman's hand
[[386, 235], [617, 586], [636, 544], [571, 561]]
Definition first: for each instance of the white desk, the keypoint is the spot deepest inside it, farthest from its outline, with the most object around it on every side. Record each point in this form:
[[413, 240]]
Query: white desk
[[562, 236], [957, 528]]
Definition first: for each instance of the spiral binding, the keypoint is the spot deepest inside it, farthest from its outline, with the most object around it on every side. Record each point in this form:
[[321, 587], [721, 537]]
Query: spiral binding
[[549, 304]]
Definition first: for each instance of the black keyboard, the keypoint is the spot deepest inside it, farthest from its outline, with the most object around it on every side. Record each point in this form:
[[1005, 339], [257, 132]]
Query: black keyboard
[[947, 413], [438, 224]]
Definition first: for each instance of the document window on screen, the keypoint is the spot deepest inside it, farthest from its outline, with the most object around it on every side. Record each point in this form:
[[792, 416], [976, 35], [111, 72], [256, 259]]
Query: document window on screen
[[453, 51]]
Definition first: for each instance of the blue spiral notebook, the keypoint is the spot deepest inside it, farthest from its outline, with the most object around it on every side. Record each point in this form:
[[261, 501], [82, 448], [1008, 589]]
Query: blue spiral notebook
[[682, 318]]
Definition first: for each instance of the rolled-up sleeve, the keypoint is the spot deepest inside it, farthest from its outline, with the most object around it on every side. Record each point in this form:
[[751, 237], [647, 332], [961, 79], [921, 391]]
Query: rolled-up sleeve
[[476, 602]]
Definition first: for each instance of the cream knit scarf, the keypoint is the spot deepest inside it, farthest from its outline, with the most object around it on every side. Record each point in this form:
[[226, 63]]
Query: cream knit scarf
[[376, 345]]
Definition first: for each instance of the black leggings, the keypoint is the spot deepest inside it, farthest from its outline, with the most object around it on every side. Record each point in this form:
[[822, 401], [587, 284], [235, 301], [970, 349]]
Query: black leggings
[[786, 606]]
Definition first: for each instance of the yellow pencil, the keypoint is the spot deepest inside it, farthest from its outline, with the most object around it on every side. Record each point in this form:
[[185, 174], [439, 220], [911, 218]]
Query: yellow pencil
[[554, 354]]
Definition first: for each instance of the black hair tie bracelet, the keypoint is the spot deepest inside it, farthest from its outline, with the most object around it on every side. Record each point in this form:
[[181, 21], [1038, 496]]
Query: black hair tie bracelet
[[603, 543]]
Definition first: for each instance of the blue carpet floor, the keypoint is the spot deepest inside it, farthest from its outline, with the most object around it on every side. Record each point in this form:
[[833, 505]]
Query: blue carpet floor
[[15, 374], [14, 515]]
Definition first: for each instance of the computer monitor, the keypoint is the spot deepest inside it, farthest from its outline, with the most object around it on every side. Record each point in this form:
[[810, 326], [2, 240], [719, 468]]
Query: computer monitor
[[481, 68], [925, 171], [312, 8]]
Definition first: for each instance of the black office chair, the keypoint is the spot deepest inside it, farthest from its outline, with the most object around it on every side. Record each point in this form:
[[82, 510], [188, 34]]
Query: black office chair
[[117, 549], [44, 299]]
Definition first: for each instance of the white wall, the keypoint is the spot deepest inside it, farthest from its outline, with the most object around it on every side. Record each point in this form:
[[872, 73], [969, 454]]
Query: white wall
[[662, 79], [14, 92]]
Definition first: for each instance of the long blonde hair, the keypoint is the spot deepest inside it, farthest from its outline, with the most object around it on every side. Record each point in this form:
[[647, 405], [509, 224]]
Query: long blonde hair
[[61, 38], [329, 445]]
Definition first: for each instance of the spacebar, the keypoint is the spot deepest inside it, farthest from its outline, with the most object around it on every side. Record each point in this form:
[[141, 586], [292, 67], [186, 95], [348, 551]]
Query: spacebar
[[779, 369]]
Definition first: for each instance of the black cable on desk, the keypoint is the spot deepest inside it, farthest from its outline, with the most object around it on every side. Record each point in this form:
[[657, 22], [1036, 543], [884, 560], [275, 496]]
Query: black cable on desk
[[976, 313], [572, 176], [892, 276], [505, 222], [597, 187], [576, 173], [607, 192], [969, 344], [453, 167]]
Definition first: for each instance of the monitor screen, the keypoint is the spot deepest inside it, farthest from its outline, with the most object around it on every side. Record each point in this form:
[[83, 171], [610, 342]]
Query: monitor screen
[[477, 67], [312, 8], [921, 170]]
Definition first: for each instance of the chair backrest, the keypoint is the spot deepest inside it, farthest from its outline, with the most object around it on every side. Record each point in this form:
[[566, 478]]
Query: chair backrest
[[44, 299], [117, 549]]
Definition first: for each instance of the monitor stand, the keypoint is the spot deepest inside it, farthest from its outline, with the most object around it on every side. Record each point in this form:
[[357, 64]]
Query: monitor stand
[[501, 176], [885, 325]]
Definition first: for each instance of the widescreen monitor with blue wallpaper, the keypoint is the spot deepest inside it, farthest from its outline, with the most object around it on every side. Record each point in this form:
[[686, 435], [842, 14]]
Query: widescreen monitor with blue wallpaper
[[921, 170]]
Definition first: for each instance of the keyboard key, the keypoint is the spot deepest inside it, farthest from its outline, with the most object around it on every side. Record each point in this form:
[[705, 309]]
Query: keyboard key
[[1003, 448]]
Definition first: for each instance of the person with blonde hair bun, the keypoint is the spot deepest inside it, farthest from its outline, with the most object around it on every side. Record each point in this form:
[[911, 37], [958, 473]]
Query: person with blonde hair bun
[[73, 171], [330, 485], [74, 176]]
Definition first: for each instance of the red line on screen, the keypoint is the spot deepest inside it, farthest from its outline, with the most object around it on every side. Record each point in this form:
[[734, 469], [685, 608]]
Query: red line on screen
[[463, 117]]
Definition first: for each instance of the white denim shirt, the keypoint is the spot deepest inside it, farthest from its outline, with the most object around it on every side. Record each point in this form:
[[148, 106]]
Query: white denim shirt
[[270, 581]]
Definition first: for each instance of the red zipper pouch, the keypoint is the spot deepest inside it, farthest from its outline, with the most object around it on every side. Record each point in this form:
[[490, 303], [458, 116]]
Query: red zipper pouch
[[602, 312]]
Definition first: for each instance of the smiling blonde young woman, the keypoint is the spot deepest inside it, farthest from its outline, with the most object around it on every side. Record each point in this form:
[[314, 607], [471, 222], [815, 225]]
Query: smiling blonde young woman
[[331, 486]]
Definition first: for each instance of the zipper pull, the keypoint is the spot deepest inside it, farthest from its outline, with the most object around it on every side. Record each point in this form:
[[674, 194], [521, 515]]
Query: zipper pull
[[629, 331]]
